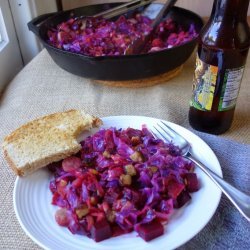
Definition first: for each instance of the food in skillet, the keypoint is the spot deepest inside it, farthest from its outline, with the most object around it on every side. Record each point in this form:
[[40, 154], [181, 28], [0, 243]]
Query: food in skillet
[[101, 37]]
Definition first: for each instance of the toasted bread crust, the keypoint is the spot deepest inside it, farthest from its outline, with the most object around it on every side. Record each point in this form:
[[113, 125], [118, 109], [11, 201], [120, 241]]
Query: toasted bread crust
[[11, 163], [45, 140]]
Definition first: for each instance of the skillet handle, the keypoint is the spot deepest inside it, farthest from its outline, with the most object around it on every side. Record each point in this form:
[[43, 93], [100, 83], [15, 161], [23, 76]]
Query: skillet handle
[[35, 23]]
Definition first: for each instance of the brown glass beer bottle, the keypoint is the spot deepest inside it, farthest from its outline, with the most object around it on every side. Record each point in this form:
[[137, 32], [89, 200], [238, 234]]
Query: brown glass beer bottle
[[222, 52]]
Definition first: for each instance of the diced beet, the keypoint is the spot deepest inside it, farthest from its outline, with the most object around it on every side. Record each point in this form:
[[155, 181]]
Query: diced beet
[[101, 230], [151, 230], [182, 199], [175, 188], [117, 231], [191, 181]]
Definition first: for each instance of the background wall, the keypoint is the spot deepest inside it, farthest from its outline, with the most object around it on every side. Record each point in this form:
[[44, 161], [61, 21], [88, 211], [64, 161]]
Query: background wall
[[10, 56], [19, 45], [22, 12]]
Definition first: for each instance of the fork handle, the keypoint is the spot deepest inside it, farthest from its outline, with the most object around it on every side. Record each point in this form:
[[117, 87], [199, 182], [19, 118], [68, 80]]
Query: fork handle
[[240, 200]]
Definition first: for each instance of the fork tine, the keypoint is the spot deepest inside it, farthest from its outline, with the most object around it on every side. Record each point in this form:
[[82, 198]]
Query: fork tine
[[162, 135], [167, 130], [170, 130], [155, 136]]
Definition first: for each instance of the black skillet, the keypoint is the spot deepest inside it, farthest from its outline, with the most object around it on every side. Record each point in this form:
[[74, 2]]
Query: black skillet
[[116, 68]]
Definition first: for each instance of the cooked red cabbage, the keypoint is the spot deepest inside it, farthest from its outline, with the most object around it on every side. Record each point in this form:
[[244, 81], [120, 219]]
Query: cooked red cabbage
[[120, 181], [101, 37]]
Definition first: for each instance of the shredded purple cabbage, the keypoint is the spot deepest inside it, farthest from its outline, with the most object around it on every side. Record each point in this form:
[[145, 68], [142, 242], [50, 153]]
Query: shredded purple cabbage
[[101, 37], [120, 181]]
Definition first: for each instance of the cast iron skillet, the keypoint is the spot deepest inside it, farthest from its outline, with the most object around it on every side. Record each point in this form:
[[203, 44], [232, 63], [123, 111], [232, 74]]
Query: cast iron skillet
[[115, 68]]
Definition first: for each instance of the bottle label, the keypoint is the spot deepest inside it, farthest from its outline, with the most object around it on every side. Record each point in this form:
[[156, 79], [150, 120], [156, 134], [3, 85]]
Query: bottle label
[[205, 77], [230, 89]]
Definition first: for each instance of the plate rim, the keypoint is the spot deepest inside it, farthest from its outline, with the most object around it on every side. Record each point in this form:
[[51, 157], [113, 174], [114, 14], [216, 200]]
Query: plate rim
[[218, 171], [39, 243]]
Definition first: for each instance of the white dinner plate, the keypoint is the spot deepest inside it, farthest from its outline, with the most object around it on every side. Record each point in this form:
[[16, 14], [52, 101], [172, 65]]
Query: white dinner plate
[[32, 203]]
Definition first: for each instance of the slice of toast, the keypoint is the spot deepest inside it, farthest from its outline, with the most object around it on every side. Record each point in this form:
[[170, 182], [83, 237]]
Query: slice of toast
[[45, 140]]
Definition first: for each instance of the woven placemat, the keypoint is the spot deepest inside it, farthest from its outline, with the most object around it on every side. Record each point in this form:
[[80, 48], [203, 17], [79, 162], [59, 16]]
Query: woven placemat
[[42, 87], [147, 82]]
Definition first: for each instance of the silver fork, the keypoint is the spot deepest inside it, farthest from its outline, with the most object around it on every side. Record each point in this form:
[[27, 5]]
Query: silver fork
[[240, 200]]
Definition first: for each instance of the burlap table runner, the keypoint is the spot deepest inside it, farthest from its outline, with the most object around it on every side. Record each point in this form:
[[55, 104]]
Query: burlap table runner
[[42, 88]]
